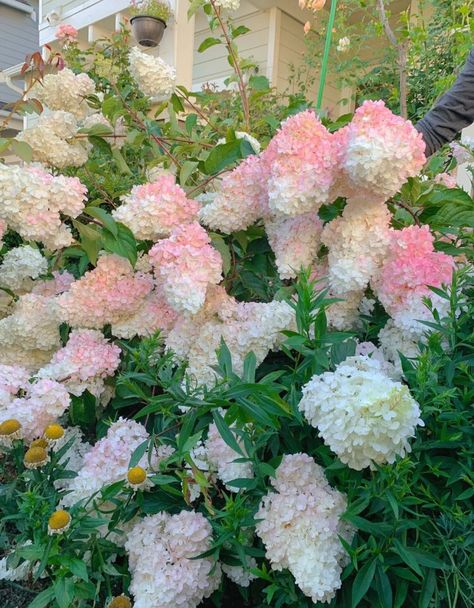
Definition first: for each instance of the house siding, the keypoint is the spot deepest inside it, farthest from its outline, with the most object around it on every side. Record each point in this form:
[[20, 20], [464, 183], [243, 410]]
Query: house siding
[[18, 37], [212, 64]]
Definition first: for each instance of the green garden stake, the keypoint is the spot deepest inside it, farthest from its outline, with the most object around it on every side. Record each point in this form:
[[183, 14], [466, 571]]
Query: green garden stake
[[327, 46]]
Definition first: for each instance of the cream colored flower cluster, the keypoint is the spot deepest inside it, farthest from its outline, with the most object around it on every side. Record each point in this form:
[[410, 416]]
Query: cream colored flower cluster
[[154, 77], [300, 524], [33, 201], [52, 139], [160, 550], [244, 326], [20, 266], [65, 91], [363, 416]]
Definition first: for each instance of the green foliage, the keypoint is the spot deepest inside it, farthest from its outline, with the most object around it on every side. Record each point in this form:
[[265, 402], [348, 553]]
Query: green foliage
[[151, 8]]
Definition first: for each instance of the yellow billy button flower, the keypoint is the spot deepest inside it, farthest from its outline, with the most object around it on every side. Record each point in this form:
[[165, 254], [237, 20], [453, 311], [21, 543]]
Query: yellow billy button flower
[[9, 431], [59, 522], [53, 433], [35, 458], [137, 478], [120, 601], [39, 443]]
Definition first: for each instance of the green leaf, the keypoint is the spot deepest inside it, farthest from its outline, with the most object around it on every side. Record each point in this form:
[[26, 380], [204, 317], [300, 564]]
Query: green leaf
[[425, 559], [5, 143], [121, 162], [22, 150], [226, 433], [77, 567], [112, 106], [259, 83], [124, 244], [240, 31], [242, 482], [83, 409], [362, 582], [138, 454], [428, 589], [207, 43], [186, 169], [104, 217], [91, 240], [176, 103], [383, 587], [222, 247], [97, 130], [407, 556], [161, 480], [63, 591], [43, 599], [227, 154]]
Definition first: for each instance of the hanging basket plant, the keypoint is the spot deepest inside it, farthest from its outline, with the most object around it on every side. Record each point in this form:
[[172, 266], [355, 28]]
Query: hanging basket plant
[[149, 19]]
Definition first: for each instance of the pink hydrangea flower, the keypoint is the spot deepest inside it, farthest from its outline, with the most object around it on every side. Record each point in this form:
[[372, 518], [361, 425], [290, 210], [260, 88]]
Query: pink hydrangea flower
[[106, 294], [301, 159], [379, 152], [45, 401], [153, 210], [185, 264], [60, 283], [83, 364], [411, 265], [446, 180], [66, 32], [241, 199]]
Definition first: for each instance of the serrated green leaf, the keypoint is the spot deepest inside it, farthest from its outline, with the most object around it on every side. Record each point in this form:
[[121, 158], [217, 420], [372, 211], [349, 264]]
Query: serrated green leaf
[[91, 240], [124, 244], [186, 169], [104, 217]]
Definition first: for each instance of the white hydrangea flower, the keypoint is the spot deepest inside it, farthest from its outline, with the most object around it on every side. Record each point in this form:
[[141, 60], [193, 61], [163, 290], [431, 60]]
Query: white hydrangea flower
[[52, 140], [394, 340], [20, 266], [154, 77], [65, 91], [159, 550], [239, 575], [358, 242], [343, 44], [228, 5], [301, 524], [362, 415]]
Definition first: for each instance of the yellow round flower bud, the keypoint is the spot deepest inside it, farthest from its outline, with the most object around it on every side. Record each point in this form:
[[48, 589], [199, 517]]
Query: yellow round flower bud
[[59, 522], [120, 601], [54, 432], [35, 458], [136, 476]]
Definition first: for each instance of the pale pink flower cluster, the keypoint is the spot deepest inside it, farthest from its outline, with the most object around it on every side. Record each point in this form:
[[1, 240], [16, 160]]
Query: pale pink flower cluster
[[154, 77], [20, 266], [66, 32], [358, 243], [411, 266], [33, 201], [379, 152], [84, 363], [108, 460], [446, 179], [12, 379], [153, 210], [160, 548], [241, 199], [52, 139], [107, 294], [49, 288], [154, 314], [45, 401], [294, 241], [244, 326], [30, 334], [220, 457], [301, 525], [239, 575], [302, 165], [65, 91], [185, 265]]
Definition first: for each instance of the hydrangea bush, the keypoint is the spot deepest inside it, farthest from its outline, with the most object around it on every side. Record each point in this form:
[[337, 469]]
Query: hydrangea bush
[[234, 366]]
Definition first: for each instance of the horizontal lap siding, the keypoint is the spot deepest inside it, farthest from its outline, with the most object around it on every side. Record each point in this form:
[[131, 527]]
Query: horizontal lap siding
[[212, 64], [18, 38], [64, 7]]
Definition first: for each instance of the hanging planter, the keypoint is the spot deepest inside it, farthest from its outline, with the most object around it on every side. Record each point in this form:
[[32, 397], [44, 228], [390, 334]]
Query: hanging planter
[[148, 21], [148, 31]]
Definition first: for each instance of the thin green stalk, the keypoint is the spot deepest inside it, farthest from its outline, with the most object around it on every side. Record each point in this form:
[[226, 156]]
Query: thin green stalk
[[327, 46]]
